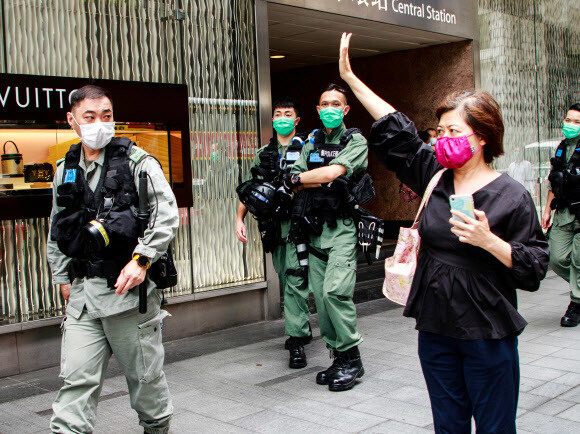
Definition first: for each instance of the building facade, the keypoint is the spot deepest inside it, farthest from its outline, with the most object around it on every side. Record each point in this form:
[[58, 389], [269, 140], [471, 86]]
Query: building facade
[[525, 52]]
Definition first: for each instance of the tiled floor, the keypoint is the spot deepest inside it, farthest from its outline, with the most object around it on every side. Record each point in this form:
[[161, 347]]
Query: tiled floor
[[238, 380]]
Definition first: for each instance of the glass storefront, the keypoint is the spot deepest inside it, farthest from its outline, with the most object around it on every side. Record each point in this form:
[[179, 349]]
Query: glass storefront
[[210, 47], [530, 62]]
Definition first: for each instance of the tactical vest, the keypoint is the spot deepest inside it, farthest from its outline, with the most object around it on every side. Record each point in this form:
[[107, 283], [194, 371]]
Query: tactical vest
[[565, 179], [109, 204], [328, 202], [272, 164]]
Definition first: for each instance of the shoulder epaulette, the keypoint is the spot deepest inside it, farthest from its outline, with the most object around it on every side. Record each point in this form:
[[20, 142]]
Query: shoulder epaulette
[[137, 154]]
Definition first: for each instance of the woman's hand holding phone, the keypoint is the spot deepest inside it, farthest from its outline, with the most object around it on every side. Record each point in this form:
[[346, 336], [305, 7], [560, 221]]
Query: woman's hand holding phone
[[472, 231]]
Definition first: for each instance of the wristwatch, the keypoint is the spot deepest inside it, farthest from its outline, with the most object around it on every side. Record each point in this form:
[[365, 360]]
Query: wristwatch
[[142, 261], [295, 179]]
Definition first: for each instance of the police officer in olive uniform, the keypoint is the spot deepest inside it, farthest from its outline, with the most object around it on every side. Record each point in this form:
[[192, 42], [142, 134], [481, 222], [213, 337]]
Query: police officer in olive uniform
[[330, 153], [279, 156], [564, 197], [98, 257]]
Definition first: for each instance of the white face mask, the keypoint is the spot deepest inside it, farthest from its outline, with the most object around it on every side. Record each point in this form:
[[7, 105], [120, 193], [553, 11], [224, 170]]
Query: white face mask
[[96, 135], [433, 141]]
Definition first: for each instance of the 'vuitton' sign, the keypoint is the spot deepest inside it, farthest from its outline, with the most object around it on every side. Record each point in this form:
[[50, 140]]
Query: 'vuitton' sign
[[20, 97], [46, 98]]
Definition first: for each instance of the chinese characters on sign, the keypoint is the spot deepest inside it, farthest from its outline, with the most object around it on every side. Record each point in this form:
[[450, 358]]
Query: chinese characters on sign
[[419, 10]]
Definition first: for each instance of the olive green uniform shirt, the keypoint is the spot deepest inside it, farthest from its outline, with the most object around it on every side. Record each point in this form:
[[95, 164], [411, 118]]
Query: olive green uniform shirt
[[93, 294], [355, 159], [564, 216]]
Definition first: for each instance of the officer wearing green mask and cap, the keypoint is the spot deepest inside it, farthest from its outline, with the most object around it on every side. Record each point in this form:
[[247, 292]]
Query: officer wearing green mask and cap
[[564, 197], [330, 153], [279, 157]]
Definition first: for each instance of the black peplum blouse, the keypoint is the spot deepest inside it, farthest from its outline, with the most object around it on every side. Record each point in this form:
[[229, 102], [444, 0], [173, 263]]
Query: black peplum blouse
[[460, 290]]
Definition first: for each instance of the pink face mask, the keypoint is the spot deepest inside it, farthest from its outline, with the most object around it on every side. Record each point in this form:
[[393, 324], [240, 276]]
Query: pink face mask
[[454, 152]]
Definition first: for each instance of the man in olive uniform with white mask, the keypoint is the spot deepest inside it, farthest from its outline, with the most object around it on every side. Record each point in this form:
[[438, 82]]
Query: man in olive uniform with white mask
[[94, 201]]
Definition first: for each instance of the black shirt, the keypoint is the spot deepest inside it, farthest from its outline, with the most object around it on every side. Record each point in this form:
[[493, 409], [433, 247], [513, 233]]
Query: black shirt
[[460, 290]]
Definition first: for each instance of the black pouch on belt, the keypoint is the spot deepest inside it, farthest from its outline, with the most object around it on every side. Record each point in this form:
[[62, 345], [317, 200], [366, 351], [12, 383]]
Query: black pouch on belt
[[163, 272]]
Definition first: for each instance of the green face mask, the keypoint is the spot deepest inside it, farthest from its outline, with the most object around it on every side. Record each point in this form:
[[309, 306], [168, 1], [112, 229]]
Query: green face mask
[[571, 131], [331, 117], [284, 126]]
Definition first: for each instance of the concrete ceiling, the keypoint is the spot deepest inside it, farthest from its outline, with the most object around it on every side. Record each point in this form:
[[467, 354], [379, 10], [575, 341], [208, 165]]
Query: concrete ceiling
[[309, 37]]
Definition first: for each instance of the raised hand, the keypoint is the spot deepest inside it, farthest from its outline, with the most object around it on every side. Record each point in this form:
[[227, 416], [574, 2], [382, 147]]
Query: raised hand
[[344, 61], [376, 106]]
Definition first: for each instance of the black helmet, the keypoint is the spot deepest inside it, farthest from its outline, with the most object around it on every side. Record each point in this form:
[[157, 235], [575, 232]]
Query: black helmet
[[259, 197]]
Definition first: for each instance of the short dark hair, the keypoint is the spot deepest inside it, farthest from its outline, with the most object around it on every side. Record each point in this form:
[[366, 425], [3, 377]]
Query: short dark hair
[[575, 107], [482, 113], [286, 102], [334, 86], [424, 136], [89, 91], [431, 129]]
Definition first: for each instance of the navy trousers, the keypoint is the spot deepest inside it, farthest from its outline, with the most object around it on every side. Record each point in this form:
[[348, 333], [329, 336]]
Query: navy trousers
[[465, 378]]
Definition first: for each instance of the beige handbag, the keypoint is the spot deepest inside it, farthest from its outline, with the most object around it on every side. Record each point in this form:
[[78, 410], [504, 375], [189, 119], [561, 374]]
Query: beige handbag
[[400, 268]]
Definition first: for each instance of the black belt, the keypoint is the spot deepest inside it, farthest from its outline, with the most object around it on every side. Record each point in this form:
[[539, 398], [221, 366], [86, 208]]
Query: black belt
[[109, 270]]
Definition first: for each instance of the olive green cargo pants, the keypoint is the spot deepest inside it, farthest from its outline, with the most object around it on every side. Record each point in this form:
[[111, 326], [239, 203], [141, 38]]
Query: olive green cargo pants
[[87, 345], [565, 254], [332, 284], [296, 312]]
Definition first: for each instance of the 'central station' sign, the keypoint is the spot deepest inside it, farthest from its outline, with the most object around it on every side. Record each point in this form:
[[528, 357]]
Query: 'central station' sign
[[449, 17]]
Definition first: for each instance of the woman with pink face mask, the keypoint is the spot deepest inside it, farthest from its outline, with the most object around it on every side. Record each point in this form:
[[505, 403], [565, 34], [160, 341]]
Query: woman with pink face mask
[[463, 295]]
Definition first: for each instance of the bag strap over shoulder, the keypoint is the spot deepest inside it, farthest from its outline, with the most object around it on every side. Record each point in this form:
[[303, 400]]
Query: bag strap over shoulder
[[428, 191]]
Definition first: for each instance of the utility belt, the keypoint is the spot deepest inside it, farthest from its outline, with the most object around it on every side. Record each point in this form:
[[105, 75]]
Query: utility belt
[[106, 269], [162, 272], [308, 216], [559, 204]]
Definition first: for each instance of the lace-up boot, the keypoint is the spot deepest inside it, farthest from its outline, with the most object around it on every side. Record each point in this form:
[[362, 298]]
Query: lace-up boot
[[297, 354], [323, 377], [349, 369], [572, 316]]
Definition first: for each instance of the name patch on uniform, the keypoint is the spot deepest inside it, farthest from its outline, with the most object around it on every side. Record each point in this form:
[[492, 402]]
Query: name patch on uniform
[[70, 175], [332, 154], [559, 153], [315, 158], [292, 156]]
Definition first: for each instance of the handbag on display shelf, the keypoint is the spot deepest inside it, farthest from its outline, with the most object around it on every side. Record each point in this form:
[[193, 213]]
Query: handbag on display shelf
[[400, 268]]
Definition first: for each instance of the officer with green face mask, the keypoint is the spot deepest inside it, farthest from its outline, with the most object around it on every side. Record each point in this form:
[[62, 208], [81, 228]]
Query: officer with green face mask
[[330, 153], [564, 197], [279, 156]]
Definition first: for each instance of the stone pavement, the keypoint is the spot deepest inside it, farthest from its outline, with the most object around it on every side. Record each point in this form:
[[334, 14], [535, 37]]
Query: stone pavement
[[237, 380]]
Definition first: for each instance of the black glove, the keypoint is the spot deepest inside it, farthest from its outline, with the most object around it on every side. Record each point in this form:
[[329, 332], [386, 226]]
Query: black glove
[[339, 185]]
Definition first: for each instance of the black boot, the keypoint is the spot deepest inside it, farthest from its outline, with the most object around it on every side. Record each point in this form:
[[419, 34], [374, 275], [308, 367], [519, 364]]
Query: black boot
[[572, 316], [305, 339], [297, 354], [324, 377], [349, 368]]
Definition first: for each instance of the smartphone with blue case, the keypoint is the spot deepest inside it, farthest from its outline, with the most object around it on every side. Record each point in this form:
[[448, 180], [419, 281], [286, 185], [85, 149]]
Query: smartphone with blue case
[[462, 203]]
